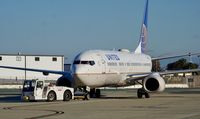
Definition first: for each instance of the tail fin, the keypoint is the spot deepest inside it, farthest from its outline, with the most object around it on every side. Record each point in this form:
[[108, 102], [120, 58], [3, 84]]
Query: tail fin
[[143, 35]]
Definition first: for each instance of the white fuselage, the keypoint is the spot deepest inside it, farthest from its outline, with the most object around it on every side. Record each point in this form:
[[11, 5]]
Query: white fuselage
[[99, 68]]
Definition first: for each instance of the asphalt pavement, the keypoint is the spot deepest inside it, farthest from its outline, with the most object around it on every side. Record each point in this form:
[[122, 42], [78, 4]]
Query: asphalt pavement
[[114, 104]]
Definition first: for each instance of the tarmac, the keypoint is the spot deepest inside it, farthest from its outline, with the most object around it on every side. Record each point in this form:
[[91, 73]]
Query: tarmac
[[114, 104]]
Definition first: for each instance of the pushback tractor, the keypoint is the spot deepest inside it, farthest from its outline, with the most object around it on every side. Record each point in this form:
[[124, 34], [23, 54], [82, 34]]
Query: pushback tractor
[[34, 90]]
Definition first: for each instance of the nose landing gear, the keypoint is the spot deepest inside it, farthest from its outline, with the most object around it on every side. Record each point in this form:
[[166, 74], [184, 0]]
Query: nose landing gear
[[95, 93]]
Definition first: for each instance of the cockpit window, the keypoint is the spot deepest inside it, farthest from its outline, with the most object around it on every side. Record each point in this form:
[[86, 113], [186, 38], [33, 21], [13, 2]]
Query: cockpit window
[[92, 63], [84, 62], [76, 62]]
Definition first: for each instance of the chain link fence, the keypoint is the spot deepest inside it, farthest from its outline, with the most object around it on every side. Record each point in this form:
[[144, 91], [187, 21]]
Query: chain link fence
[[192, 81]]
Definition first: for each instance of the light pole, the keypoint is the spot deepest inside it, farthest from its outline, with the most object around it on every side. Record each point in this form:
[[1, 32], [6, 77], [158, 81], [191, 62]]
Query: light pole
[[198, 60]]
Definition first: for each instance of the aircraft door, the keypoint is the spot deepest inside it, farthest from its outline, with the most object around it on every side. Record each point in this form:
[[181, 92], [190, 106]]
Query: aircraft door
[[103, 66], [39, 88]]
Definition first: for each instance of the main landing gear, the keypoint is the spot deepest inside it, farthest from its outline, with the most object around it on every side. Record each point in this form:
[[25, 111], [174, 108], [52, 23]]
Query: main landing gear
[[83, 91], [141, 92], [95, 93]]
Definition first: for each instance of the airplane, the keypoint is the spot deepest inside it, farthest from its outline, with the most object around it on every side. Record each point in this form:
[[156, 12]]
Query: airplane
[[110, 68]]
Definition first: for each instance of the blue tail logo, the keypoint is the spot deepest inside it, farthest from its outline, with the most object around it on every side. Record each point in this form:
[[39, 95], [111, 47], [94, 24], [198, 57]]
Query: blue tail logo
[[143, 35]]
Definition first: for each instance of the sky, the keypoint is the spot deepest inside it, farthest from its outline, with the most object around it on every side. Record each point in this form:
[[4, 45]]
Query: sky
[[68, 27]]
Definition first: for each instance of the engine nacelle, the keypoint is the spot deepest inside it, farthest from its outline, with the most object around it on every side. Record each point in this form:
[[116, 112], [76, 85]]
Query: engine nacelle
[[154, 83]]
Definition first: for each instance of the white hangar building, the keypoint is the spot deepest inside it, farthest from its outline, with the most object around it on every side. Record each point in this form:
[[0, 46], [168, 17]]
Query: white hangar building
[[47, 62]]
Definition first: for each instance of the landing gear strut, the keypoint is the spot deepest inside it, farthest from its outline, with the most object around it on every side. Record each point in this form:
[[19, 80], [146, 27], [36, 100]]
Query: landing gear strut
[[95, 93], [141, 92]]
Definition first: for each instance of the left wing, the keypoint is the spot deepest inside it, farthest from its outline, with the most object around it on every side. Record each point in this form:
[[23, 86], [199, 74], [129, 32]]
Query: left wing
[[153, 81], [135, 77], [179, 71], [174, 56], [141, 76]]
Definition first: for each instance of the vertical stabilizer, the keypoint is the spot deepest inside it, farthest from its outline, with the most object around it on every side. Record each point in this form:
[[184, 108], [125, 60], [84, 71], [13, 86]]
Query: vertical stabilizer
[[143, 35]]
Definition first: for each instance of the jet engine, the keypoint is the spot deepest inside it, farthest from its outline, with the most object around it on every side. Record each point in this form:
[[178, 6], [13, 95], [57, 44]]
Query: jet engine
[[154, 83]]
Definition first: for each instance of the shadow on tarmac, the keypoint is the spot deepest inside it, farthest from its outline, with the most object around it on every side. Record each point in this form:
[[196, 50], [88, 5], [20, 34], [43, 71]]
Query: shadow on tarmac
[[184, 91], [10, 99], [110, 97], [16, 98]]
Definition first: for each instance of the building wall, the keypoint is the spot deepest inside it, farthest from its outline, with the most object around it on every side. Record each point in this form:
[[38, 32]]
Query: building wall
[[44, 63], [9, 60], [191, 81], [29, 61], [67, 67]]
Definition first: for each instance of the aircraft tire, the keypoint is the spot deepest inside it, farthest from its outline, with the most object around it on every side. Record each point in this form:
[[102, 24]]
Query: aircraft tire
[[98, 93], [92, 93], [147, 95], [139, 93]]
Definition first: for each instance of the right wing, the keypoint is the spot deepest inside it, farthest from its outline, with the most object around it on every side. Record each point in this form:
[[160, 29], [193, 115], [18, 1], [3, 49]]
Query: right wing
[[45, 72], [67, 75]]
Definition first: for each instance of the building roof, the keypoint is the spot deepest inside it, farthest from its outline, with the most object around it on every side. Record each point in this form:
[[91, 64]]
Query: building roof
[[19, 54]]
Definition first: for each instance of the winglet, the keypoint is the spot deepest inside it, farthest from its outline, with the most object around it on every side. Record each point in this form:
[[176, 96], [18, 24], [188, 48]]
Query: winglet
[[143, 35]]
